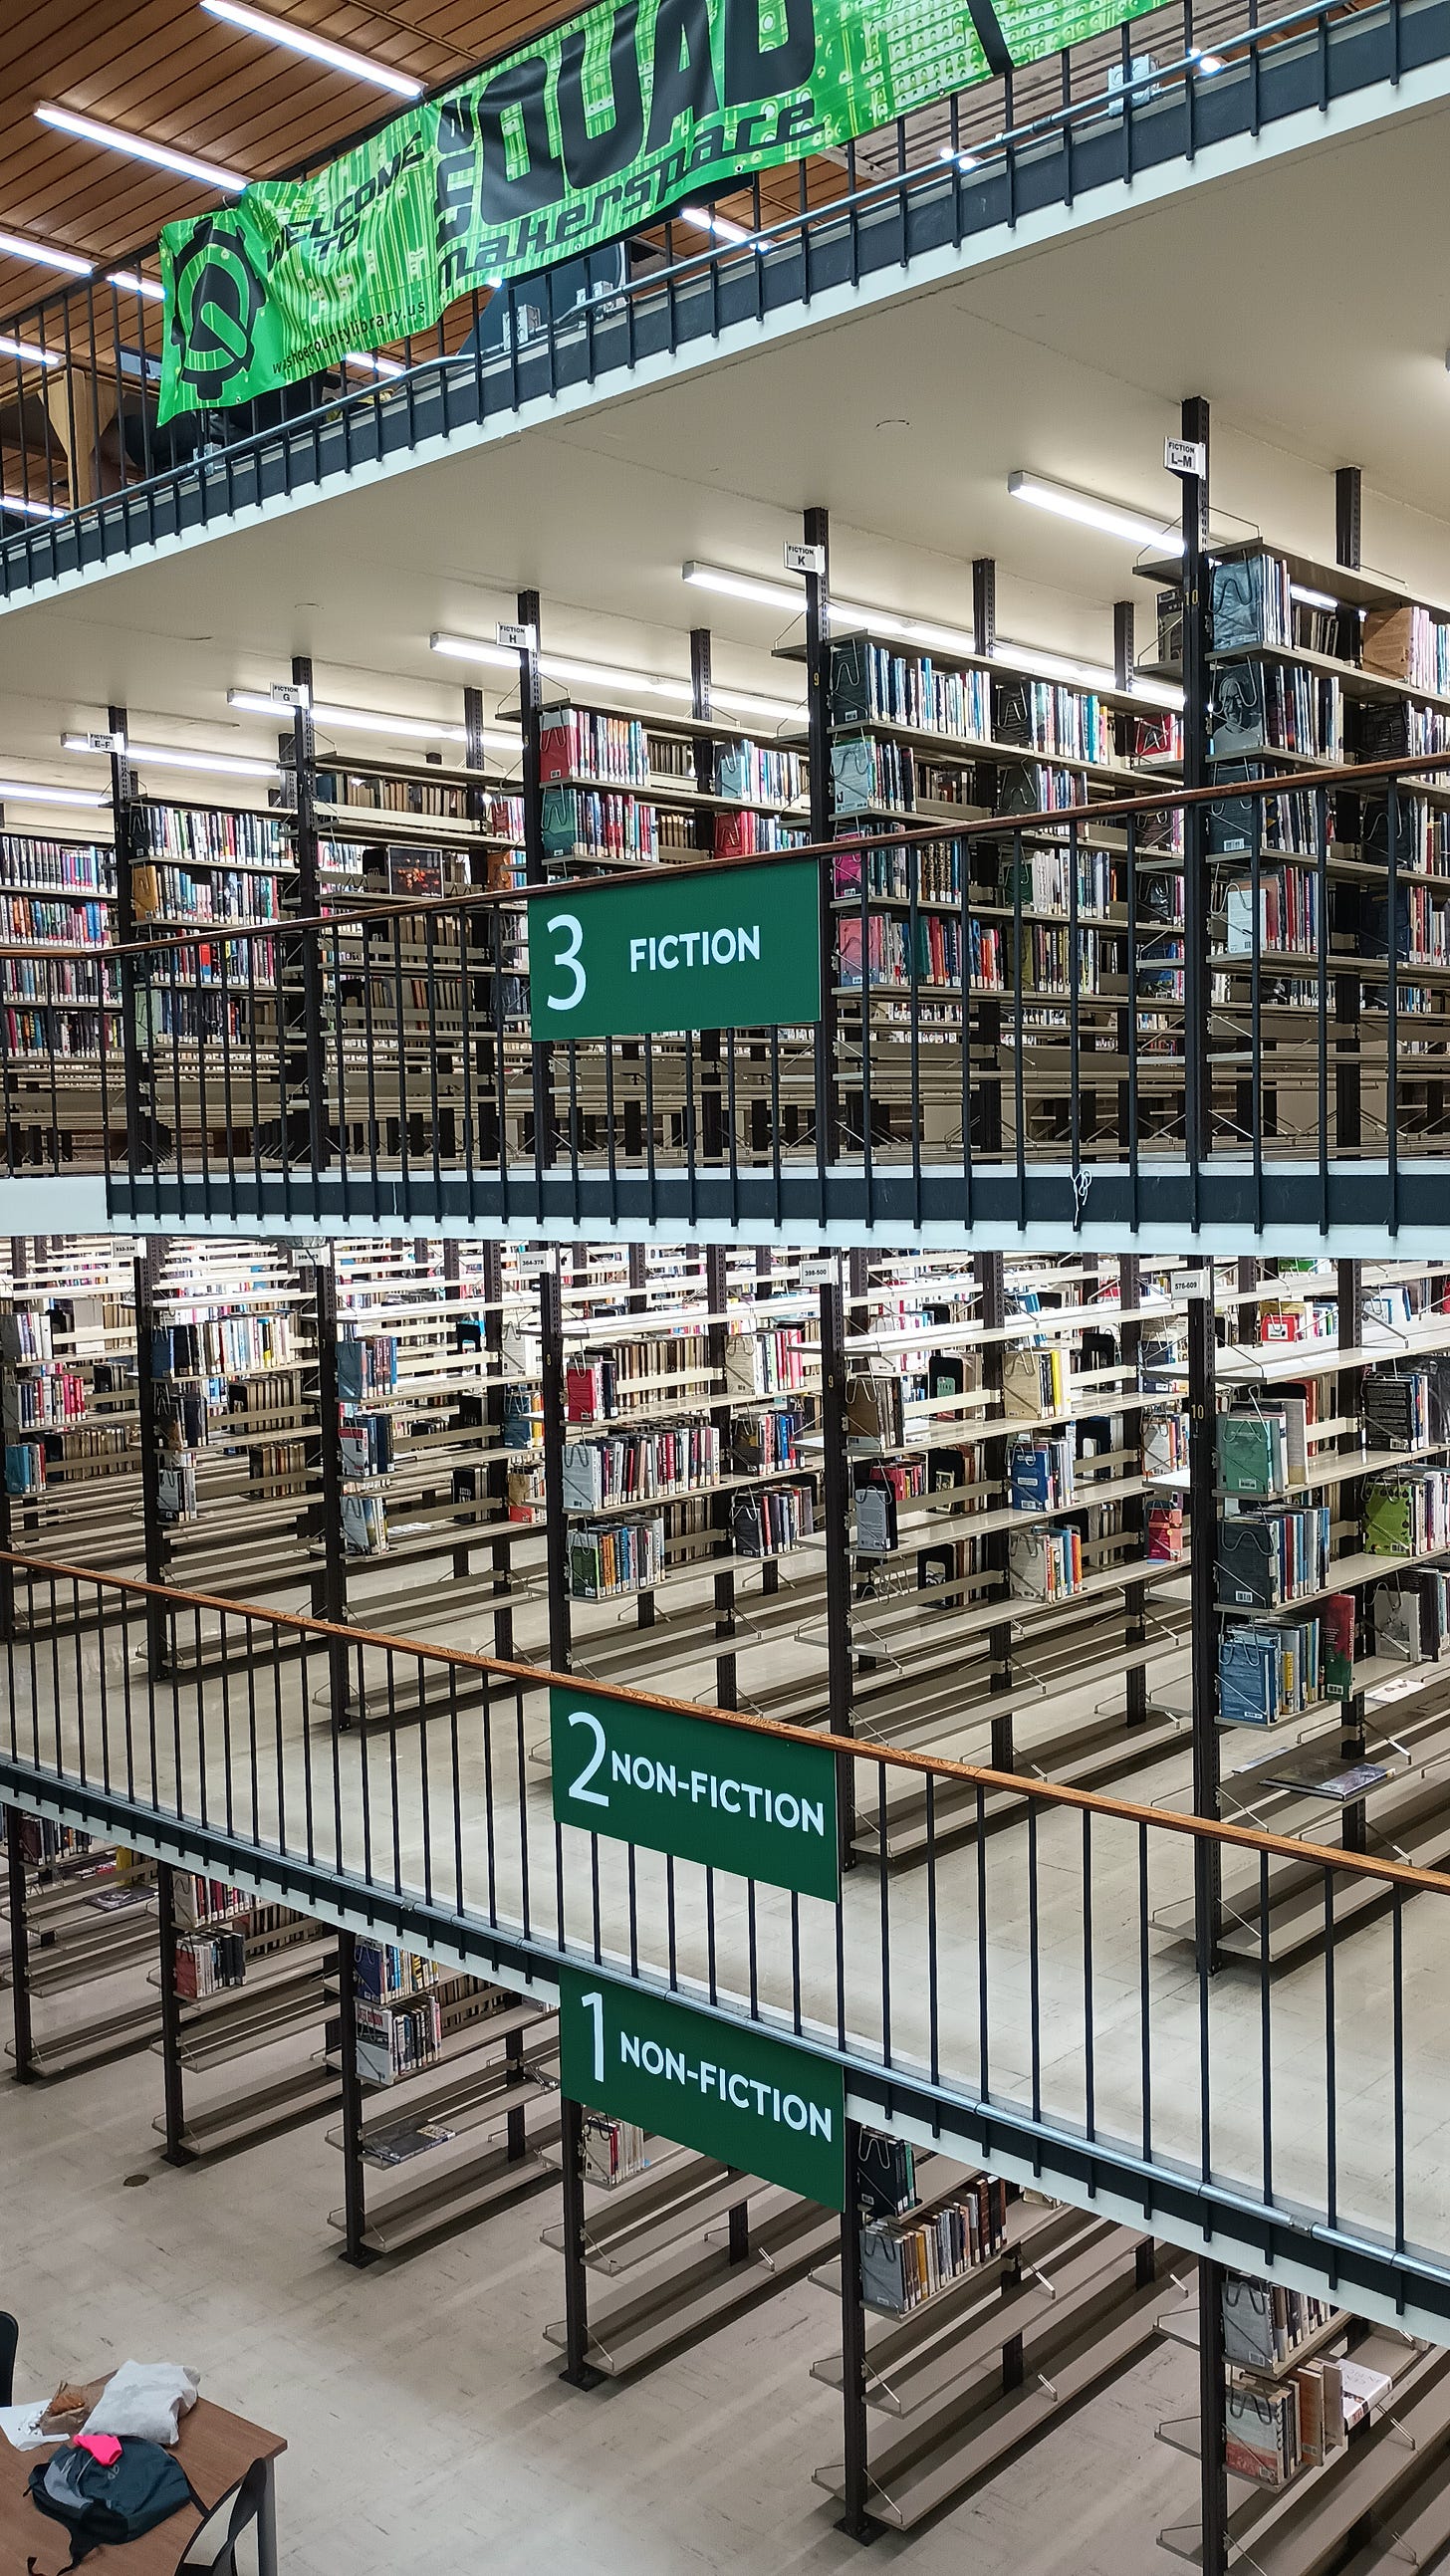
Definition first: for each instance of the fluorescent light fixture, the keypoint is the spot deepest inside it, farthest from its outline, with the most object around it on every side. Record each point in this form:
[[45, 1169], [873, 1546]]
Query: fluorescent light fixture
[[139, 147], [24, 791], [255, 702], [33, 357], [29, 509], [1115, 518], [1205, 62], [720, 226], [147, 288], [366, 366], [150, 755], [744, 585], [607, 677], [13, 247], [963, 160], [300, 40], [1308, 598]]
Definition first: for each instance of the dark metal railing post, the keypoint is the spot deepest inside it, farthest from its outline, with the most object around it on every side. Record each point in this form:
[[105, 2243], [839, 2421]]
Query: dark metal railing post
[[1212, 2407], [1197, 980], [148, 1266], [817, 538], [354, 2188], [174, 2107], [836, 1509], [712, 1123], [535, 867], [1203, 1587], [329, 1584], [578, 2369], [311, 1127], [134, 974], [855, 2520], [990, 1271], [19, 1949], [556, 1528]]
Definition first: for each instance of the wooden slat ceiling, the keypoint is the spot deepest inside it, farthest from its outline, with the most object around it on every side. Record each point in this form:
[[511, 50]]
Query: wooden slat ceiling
[[164, 69]]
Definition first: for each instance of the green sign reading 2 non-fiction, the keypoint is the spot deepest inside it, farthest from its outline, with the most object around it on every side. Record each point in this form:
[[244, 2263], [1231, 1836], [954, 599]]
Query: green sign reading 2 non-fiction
[[725, 2089], [761, 1805], [727, 948]]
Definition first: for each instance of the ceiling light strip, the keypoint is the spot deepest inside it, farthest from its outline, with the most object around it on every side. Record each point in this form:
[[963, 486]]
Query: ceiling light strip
[[139, 147], [318, 49]]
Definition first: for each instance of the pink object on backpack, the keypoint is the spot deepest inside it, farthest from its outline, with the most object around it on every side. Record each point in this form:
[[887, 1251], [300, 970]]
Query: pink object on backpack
[[103, 2447]]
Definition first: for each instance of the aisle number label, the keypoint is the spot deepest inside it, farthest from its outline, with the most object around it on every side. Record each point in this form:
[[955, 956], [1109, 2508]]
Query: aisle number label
[[722, 2087], [759, 1805], [733, 948]]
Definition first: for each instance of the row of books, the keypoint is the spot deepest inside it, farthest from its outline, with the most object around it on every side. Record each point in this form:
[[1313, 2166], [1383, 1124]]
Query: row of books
[[392, 795], [216, 1345], [1405, 1408], [1163, 1441], [24, 1468], [73, 923], [773, 1523], [746, 835], [1044, 881], [640, 1466], [1277, 706], [1272, 2432], [176, 1487], [590, 822], [43, 978], [1272, 1669], [39, 1403], [870, 680], [395, 2042], [366, 1444], [202, 835], [1288, 912], [1041, 1473], [614, 2150], [1264, 2323], [925, 872], [367, 1364], [1261, 1448], [1252, 602], [199, 1018], [68, 1034], [760, 773], [902, 2266], [773, 1362], [1045, 1564], [763, 1442], [1408, 643], [617, 1558], [934, 956], [1042, 715], [25, 861], [1036, 1382], [381, 1968], [200, 1900], [575, 742], [174, 894], [205, 1966], [276, 1468], [1408, 1513], [1268, 1557], [26, 1335]]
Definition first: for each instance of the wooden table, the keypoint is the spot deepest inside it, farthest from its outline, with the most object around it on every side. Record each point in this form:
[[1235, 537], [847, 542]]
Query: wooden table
[[215, 2449]]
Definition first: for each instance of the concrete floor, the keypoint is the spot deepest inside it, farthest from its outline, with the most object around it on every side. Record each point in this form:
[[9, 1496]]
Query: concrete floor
[[427, 2424]]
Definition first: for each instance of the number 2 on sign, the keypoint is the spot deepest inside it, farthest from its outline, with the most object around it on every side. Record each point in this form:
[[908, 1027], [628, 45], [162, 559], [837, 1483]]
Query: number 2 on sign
[[567, 954], [577, 1789]]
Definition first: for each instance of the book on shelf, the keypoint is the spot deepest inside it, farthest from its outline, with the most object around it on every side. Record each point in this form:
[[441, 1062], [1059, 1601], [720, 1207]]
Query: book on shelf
[[205, 1965], [875, 1408], [1040, 1474], [1163, 1434], [591, 1391], [1408, 1513], [1044, 1564], [1164, 1532], [765, 1441], [614, 2150], [885, 2174], [364, 1525], [616, 1557], [1252, 1453], [367, 1364], [876, 1519], [1035, 1382], [366, 1442], [1268, 1557], [1268, 1670], [1252, 602], [772, 1523], [395, 2041], [903, 2264], [382, 1968], [522, 1425], [1264, 2323], [176, 1487]]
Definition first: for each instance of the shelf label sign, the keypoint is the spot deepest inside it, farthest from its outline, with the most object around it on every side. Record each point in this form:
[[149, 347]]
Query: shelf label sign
[[729, 948], [722, 2087], [760, 1805]]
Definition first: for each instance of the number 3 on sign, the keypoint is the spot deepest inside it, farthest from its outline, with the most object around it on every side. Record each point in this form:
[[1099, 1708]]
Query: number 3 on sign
[[567, 954]]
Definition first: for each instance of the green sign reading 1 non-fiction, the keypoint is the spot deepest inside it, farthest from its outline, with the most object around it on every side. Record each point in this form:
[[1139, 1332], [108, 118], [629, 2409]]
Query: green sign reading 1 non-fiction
[[753, 2102], [728, 948], [760, 1805]]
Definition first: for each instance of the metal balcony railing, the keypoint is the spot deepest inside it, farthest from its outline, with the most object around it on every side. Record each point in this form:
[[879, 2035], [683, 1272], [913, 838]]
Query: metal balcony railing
[[90, 475], [1148, 1018], [1048, 1984]]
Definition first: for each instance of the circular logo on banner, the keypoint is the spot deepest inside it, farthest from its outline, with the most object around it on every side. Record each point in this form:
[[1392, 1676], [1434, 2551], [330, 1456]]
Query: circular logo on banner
[[219, 296]]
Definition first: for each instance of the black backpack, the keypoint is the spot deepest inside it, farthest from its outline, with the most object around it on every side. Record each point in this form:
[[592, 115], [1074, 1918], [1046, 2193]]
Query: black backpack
[[119, 2503]]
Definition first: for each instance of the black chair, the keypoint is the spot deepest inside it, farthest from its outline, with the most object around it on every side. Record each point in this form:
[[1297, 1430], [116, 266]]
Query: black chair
[[9, 2338], [212, 2551]]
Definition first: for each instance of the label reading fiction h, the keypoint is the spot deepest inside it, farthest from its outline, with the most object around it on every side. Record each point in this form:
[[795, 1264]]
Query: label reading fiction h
[[723, 949], [759, 1805], [728, 2091]]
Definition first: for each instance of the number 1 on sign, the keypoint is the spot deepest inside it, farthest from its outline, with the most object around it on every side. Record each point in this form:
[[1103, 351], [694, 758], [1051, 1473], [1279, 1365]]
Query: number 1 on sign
[[568, 955], [593, 2004]]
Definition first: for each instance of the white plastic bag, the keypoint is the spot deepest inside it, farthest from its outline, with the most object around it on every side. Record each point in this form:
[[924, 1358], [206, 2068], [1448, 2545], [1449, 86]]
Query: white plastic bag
[[144, 2401]]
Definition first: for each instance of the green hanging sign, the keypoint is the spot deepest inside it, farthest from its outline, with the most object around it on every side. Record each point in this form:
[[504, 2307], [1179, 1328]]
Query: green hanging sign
[[722, 2087], [589, 132], [760, 1805], [708, 948]]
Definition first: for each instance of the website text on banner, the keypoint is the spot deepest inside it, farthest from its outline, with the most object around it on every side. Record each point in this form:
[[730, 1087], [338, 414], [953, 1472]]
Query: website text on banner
[[587, 133]]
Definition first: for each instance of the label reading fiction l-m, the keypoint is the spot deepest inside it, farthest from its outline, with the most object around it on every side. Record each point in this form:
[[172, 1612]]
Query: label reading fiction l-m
[[761, 1805], [731, 2092], [724, 948]]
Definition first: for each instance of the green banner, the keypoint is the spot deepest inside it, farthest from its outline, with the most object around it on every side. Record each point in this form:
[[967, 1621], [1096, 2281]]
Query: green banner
[[759, 1805], [722, 2087], [587, 133], [727, 948]]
